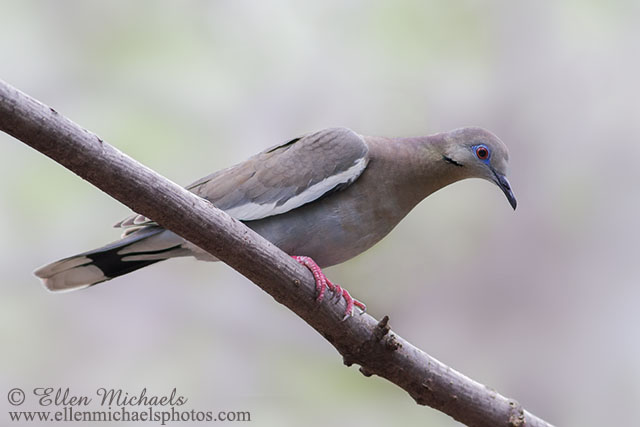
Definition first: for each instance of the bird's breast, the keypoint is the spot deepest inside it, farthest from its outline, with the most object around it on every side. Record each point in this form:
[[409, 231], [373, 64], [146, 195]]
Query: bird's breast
[[335, 228]]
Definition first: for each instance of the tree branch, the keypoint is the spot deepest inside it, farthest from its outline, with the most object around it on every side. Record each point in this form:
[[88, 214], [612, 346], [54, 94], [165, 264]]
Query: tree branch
[[360, 339]]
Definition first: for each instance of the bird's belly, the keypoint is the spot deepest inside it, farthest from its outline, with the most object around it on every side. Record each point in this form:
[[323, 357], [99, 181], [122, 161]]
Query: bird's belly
[[331, 230]]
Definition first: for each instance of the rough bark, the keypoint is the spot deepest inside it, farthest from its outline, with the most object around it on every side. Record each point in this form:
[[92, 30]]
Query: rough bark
[[360, 339]]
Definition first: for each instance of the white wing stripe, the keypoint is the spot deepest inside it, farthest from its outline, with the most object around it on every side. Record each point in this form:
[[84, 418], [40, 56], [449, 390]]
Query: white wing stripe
[[252, 211]]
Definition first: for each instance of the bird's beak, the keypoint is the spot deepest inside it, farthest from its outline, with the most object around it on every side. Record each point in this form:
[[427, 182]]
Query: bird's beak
[[502, 182]]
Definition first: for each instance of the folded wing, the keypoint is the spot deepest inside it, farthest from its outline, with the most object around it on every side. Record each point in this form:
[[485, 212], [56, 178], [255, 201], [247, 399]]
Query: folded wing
[[281, 178]]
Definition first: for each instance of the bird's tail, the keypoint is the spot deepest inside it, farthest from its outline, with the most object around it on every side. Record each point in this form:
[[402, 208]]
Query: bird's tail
[[139, 249]]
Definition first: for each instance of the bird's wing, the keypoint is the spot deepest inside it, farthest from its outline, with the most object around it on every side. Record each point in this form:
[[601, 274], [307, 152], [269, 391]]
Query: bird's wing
[[283, 177]]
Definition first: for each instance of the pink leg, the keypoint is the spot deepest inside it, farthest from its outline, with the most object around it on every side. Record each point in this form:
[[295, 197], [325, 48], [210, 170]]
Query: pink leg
[[323, 282]]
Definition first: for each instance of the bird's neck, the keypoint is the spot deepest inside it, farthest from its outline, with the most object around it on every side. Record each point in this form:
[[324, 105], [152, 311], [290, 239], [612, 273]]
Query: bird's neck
[[415, 166]]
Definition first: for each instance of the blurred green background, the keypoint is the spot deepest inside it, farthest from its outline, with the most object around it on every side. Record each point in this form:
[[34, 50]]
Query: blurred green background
[[540, 304]]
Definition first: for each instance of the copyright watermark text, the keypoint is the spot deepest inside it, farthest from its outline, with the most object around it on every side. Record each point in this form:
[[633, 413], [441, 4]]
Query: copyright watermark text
[[111, 405]]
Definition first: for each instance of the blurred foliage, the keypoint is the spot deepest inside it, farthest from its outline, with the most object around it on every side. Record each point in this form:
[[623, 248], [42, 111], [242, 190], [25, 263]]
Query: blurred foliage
[[539, 304]]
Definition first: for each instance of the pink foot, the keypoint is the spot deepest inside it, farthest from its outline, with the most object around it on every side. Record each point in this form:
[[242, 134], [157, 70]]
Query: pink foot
[[323, 282]]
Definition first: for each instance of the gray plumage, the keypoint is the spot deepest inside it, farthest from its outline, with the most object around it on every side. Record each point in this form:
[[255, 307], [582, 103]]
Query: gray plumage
[[329, 195]]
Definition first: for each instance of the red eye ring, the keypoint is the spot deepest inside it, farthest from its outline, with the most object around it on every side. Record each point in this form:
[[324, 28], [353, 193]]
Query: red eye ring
[[482, 152]]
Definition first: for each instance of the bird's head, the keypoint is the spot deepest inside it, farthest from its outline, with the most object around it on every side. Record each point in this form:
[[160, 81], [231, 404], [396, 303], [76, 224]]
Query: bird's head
[[479, 154]]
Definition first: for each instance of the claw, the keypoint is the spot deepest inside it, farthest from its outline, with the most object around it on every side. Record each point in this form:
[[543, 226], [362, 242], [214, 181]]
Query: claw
[[338, 292]]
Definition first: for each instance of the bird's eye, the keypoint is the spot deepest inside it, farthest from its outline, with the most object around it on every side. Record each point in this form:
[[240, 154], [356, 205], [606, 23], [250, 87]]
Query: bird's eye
[[482, 152]]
